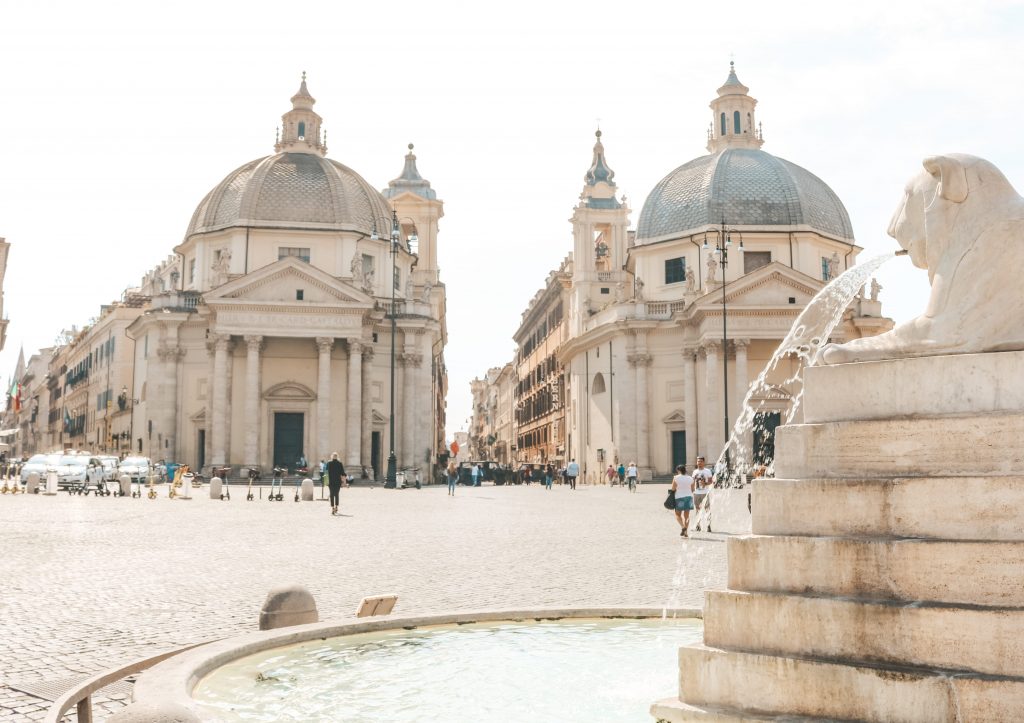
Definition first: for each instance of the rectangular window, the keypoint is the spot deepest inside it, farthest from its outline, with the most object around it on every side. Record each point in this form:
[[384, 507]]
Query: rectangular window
[[753, 260], [299, 293], [825, 275], [398, 278], [302, 254], [675, 270], [192, 271], [145, 347], [367, 265]]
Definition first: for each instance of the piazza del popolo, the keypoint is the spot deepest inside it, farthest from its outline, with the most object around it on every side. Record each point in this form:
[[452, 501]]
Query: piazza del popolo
[[275, 343]]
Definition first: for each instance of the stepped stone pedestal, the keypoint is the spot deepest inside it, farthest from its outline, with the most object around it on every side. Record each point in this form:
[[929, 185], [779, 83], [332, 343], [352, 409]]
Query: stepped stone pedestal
[[884, 579]]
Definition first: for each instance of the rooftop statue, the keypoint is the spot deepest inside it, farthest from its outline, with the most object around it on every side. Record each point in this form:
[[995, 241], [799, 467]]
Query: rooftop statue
[[963, 222]]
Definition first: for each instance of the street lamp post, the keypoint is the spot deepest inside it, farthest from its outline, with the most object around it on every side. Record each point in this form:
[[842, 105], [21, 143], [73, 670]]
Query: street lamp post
[[722, 246], [392, 472]]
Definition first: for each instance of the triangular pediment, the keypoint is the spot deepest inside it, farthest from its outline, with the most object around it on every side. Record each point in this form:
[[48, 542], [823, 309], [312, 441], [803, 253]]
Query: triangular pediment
[[279, 282], [378, 418], [676, 417], [771, 285]]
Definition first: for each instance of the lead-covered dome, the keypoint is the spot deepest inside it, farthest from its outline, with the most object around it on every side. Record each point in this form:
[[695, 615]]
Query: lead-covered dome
[[739, 184], [295, 190], [743, 187]]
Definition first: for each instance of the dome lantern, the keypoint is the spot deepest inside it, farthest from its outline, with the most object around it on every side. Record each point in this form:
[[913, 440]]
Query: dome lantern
[[733, 124], [300, 127]]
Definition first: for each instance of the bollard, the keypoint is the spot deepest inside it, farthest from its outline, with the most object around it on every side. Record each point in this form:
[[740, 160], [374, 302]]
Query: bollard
[[126, 485], [51, 483], [186, 485], [307, 490], [215, 488], [32, 486], [286, 606]]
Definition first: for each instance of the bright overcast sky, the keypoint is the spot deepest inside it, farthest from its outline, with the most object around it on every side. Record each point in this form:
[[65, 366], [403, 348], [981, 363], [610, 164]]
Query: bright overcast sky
[[119, 117]]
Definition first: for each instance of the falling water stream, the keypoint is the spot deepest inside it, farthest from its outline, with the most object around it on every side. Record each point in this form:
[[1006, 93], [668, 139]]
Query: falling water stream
[[802, 344]]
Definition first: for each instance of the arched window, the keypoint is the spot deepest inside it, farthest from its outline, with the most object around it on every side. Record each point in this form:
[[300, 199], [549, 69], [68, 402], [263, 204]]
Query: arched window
[[736, 122], [723, 124], [302, 129], [598, 386]]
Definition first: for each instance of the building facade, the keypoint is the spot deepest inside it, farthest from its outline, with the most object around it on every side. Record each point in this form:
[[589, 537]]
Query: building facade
[[271, 337], [540, 386], [648, 371]]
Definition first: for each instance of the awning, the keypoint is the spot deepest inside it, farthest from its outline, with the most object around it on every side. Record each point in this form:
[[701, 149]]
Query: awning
[[9, 432]]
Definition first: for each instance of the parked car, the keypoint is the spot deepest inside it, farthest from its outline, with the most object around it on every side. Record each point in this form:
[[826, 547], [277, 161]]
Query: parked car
[[110, 465], [39, 463], [78, 472], [138, 468]]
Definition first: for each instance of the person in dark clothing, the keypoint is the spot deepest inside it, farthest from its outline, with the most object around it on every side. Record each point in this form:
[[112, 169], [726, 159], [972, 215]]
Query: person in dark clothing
[[335, 475]]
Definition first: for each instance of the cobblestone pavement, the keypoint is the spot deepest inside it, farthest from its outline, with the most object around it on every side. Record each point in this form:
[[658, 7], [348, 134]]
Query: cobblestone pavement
[[88, 584]]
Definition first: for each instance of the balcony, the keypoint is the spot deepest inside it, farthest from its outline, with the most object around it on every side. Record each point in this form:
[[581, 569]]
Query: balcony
[[179, 301]]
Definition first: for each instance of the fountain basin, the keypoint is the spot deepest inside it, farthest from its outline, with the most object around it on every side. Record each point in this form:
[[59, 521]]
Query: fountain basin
[[459, 666]]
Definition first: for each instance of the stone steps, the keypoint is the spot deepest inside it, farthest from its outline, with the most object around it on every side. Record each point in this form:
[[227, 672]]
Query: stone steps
[[949, 508], [936, 571], [765, 685], [672, 710], [963, 639], [930, 447]]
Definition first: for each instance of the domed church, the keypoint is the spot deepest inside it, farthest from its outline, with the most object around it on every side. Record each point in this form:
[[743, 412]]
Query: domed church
[[268, 341], [646, 352]]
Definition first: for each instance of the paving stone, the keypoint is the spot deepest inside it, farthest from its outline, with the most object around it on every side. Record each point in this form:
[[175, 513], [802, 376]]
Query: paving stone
[[95, 583]]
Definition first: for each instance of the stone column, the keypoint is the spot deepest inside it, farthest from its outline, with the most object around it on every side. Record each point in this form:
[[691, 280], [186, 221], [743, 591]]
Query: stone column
[[167, 414], [353, 417], [642, 360], [690, 403], [253, 345], [713, 421], [219, 404], [324, 344], [366, 416], [411, 361], [742, 384]]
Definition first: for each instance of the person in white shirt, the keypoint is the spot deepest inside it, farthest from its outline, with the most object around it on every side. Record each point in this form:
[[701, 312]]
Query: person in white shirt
[[703, 479], [631, 475], [682, 485]]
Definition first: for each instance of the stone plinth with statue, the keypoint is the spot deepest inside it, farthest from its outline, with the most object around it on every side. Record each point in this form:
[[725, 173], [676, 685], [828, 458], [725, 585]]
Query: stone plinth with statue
[[882, 581]]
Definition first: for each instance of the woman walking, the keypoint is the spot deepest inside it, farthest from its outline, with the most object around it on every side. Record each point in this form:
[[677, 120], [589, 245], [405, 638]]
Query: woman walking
[[549, 474], [452, 474], [682, 485]]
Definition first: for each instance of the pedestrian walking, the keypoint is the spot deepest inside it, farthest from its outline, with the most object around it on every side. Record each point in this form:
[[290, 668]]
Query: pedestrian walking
[[610, 472], [631, 475], [335, 475], [453, 475], [703, 480], [622, 474], [475, 474], [572, 471], [682, 485], [549, 475]]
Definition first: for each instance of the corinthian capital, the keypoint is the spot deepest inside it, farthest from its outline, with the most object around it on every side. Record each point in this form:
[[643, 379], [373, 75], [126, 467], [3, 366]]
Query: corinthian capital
[[324, 344], [254, 343]]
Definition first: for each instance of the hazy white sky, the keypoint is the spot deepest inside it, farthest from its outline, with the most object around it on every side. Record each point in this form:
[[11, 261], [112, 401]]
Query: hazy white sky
[[118, 117]]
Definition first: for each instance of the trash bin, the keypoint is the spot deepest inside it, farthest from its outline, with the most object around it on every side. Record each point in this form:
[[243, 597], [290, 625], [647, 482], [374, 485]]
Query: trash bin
[[171, 468]]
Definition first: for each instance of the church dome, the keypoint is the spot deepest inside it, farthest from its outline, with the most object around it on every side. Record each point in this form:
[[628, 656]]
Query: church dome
[[297, 187], [294, 190], [743, 187], [739, 184]]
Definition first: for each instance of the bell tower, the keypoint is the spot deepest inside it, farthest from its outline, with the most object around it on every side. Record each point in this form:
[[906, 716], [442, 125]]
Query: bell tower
[[418, 210], [300, 127], [599, 223], [733, 124]]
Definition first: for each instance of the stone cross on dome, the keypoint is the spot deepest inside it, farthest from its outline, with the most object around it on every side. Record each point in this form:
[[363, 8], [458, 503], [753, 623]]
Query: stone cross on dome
[[300, 127]]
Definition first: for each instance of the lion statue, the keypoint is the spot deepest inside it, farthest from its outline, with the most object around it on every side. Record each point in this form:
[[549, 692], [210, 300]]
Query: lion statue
[[962, 221]]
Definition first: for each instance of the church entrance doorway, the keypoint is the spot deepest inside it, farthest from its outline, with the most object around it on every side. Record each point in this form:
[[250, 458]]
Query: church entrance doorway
[[764, 436], [201, 449], [288, 427], [678, 450], [375, 453]]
